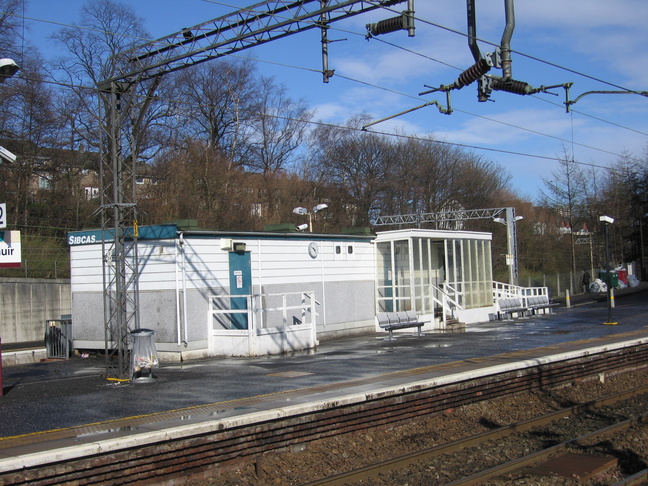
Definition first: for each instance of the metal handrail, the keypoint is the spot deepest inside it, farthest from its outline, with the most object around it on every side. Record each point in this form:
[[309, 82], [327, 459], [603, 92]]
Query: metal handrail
[[447, 302], [255, 311]]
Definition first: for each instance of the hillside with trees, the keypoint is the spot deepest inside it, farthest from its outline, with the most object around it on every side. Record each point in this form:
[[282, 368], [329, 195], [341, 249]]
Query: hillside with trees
[[224, 145]]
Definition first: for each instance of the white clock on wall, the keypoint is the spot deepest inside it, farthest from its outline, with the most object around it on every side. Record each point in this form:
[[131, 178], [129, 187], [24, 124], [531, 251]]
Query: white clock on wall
[[313, 250]]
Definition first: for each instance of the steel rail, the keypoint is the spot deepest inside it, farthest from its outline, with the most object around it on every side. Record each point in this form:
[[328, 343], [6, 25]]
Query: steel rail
[[539, 456], [637, 479], [192, 454], [388, 466]]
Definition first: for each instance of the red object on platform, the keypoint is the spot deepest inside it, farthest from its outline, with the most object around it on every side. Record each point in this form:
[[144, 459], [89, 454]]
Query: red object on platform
[[623, 276]]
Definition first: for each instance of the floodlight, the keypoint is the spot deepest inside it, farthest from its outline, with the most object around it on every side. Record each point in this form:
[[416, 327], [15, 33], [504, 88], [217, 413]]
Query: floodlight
[[300, 210], [302, 227], [6, 155], [8, 68], [320, 207], [606, 219]]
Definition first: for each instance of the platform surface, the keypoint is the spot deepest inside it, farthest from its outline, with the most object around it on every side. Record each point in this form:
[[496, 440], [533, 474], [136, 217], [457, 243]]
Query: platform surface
[[46, 400]]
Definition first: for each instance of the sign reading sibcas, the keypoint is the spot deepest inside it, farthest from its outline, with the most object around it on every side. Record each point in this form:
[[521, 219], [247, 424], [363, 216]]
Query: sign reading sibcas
[[82, 240]]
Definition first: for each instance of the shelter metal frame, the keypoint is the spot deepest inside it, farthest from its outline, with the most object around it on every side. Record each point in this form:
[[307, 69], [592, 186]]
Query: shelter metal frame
[[442, 219]]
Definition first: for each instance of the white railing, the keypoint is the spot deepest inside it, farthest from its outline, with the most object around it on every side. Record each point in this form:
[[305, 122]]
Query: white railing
[[284, 309], [267, 316], [507, 291], [221, 312], [451, 299]]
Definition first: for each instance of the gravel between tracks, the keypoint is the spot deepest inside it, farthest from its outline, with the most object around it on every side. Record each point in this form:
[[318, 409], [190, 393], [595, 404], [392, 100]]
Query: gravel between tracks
[[334, 455]]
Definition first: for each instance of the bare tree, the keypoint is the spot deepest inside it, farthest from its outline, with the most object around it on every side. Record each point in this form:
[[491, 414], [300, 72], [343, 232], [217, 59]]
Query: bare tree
[[431, 176], [279, 129], [10, 28], [566, 194], [215, 102], [198, 183], [356, 161], [106, 28]]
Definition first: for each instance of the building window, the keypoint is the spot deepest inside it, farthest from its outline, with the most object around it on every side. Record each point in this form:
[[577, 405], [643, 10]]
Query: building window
[[91, 192], [44, 183]]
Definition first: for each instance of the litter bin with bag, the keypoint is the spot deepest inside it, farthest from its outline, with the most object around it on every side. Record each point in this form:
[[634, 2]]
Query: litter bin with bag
[[143, 355], [610, 278]]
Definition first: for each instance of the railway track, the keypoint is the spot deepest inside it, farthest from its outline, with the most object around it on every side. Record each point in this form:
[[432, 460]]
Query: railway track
[[397, 469], [125, 454]]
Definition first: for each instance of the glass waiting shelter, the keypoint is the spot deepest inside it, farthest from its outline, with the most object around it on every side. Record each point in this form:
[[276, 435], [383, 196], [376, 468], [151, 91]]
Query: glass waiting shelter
[[433, 271]]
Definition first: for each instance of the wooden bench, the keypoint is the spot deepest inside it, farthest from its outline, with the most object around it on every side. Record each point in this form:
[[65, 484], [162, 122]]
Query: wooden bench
[[538, 302], [399, 320], [511, 306]]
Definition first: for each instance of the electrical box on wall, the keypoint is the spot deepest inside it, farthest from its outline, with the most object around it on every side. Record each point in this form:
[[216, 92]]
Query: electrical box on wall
[[226, 244]]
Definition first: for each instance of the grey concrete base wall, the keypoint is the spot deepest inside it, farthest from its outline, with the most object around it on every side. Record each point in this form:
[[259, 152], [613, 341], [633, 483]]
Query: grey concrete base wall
[[26, 303], [158, 311], [346, 307], [350, 302], [349, 309], [87, 316]]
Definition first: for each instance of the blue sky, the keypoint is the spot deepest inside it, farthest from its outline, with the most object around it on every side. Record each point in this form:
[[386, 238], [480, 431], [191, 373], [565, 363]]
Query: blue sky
[[602, 44]]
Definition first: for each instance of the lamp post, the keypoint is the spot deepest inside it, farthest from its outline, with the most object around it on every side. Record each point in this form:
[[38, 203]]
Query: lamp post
[[641, 243], [511, 243], [8, 68], [607, 220], [304, 211]]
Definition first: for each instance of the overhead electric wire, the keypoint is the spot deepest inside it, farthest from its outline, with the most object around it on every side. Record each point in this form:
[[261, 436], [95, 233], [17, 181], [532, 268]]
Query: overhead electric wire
[[412, 137], [383, 133], [454, 31], [391, 90], [602, 120], [455, 109], [534, 58]]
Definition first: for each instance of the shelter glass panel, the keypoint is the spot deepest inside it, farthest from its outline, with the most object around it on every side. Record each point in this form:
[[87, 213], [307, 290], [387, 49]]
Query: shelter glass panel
[[384, 275], [402, 285]]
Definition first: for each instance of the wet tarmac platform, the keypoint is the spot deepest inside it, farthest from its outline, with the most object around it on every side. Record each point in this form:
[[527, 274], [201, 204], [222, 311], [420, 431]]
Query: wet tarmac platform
[[54, 400]]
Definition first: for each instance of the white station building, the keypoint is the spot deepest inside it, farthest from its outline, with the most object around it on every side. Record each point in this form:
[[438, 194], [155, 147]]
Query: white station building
[[218, 293]]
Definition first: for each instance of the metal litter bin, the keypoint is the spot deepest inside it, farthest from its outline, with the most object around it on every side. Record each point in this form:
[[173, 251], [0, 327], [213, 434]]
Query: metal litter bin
[[610, 278], [144, 356], [58, 338]]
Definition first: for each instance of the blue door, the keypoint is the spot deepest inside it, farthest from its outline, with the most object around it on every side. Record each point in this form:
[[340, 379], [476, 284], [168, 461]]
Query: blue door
[[240, 284]]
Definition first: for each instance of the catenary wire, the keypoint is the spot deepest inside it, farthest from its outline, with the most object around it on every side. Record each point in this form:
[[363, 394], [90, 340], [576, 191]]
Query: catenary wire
[[394, 91], [411, 137], [387, 43], [534, 58]]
